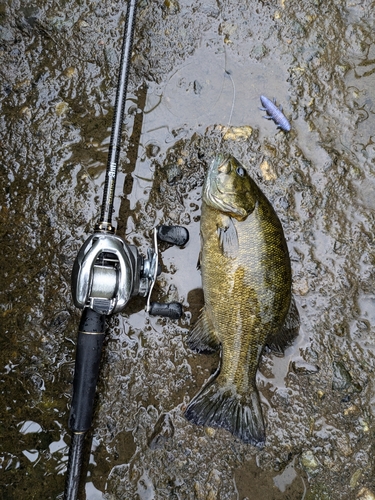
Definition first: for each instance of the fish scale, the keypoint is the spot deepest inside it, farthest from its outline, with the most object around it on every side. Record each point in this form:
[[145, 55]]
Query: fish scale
[[246, 278]]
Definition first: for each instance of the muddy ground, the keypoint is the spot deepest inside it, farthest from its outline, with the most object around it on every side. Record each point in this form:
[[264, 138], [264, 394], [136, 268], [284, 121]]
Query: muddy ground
[[193, 62]]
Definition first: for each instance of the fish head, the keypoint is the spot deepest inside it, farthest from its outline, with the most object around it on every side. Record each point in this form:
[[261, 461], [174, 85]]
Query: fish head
[[229, 188]]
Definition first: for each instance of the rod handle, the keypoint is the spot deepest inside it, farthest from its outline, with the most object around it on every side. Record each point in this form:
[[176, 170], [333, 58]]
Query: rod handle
[[88, 354]]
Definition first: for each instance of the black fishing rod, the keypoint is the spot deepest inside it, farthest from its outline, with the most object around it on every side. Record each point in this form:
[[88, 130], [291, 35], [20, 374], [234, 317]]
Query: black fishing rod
[[106, 274]]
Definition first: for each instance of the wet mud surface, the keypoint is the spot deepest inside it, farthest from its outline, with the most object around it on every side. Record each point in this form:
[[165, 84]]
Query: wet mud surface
[[192, 62]]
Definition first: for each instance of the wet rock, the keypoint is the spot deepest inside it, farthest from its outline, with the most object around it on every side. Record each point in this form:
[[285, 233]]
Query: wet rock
[[6, 34], [210, 489], [301, 286], [268, 171], [318, 491], [341, 377], [364, 425], [171, 6], [26, 113], [133, 109], [152, 150], [320, 394], [355, 478], [174, 173], [259, 51], [61, 108], [173, 295], [302, 368], [197, 87], [210, 431], [282, 395], [353, 410], [163, 431], [365, 494], [59, 321], [70, 72], [310, 463], [343, 446], [238, 133]]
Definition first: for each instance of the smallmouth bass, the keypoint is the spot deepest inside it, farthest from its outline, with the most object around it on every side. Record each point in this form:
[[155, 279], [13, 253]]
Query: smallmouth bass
[[247, 280]]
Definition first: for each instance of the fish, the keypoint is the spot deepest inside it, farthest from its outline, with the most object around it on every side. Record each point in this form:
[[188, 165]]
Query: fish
[[247, 281], [275, 113]]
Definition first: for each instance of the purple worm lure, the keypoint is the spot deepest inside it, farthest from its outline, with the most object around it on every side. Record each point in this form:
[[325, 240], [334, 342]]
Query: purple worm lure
[[274, 113]]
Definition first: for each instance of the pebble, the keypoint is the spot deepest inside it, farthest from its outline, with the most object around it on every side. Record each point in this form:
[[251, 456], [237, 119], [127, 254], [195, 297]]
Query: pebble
[[152, 150], [309, 462], [174, 172], [268, 172], [301, 287], [321, 394], [365, 494], [353, 410], [163, 430], [364, 425], [238, 133], [26, 112], [210, 431], [302, 368], [341, 377], [355, 478], [70, 72], [61, 108]]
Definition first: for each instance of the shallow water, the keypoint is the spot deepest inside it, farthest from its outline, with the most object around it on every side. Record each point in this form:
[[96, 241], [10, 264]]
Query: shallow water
[[193, 62]]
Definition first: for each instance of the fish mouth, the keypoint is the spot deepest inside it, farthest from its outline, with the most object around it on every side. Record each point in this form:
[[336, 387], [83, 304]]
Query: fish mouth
[[226, 207], [221, 191], [215, 194]]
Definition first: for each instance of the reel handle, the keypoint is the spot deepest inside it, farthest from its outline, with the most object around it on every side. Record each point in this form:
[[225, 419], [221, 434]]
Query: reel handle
[[175, 235]]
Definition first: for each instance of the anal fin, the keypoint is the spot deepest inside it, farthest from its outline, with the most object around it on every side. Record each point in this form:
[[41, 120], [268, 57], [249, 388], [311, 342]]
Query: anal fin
[[288, 332], [202, 338]]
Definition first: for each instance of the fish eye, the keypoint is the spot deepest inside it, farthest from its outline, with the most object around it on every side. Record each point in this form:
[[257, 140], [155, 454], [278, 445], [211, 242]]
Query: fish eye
[[241, 171]]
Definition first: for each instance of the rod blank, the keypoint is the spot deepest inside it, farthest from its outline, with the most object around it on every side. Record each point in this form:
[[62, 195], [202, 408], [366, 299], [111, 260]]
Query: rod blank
[[118, 118]]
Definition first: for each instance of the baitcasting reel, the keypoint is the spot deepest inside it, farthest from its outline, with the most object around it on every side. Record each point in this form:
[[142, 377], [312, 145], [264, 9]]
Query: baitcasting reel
[[108, 271]]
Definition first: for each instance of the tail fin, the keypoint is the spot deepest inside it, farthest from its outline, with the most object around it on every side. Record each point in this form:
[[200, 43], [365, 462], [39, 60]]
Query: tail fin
[[218, 406]]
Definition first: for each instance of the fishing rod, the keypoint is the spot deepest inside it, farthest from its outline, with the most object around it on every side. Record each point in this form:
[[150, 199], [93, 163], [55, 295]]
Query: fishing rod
[[107, 272]]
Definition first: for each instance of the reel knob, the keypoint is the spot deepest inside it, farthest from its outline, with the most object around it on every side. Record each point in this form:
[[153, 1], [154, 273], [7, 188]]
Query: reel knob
[[171, 310], [176, 235]]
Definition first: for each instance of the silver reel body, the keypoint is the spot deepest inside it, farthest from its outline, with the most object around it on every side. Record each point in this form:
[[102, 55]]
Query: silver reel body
[[108, 271]]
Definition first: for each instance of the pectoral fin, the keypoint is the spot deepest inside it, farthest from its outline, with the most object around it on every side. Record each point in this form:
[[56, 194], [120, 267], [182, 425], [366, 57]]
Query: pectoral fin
[[228, 238], [202, 338], [288, 332]]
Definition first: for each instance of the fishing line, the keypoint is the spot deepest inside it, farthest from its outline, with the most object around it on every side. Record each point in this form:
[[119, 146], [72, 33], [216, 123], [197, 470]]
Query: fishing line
[[228, 73], [227, 127]]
